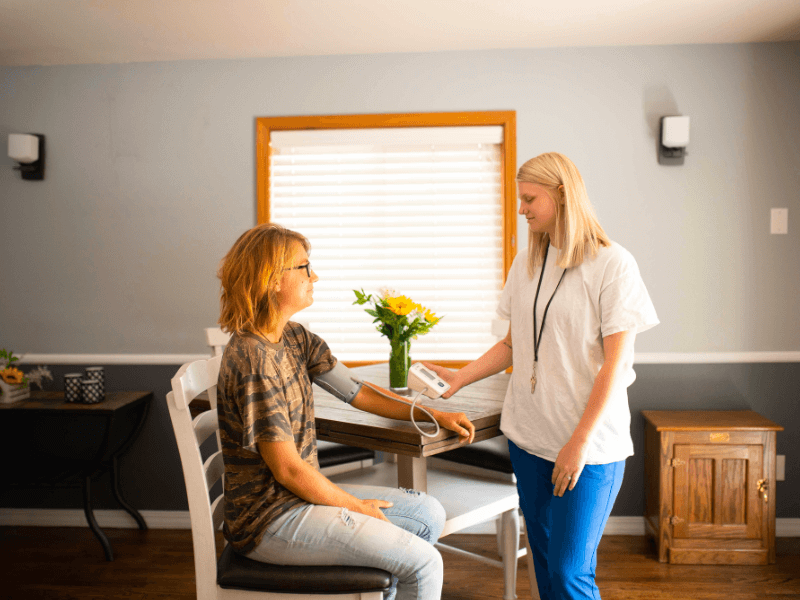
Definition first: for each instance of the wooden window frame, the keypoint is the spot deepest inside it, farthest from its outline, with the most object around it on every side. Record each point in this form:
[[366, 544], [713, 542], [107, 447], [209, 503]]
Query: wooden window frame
[[505, 119]]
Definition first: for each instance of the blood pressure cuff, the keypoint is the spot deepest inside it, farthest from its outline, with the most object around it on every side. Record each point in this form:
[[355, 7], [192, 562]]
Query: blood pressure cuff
[[341, 382]]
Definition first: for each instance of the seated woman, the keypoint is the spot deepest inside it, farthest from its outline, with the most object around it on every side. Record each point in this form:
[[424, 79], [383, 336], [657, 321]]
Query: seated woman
[[279, 508]]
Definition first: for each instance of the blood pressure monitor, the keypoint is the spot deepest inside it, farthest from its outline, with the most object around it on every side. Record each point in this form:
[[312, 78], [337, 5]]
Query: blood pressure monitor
[[422, 379]]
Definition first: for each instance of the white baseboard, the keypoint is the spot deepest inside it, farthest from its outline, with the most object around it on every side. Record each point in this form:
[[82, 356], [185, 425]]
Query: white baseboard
[[179, 519], [787, 528], [114, 519], [635, 526], [615, 526]]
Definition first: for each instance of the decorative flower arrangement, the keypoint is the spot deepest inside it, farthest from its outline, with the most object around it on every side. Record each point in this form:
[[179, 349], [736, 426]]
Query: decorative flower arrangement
[[14, 384], [400, 319]]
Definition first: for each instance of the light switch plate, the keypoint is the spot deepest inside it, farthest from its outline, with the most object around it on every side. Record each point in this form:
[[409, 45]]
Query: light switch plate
[[779, 220], [780, 467]]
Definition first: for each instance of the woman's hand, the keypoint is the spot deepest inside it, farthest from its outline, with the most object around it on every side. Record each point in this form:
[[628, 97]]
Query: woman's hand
[[457, 422], [569, 466], [448, 376], [372, 508]]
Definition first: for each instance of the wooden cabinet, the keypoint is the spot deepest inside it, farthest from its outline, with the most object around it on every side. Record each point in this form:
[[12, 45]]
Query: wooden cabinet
[[710, 486]]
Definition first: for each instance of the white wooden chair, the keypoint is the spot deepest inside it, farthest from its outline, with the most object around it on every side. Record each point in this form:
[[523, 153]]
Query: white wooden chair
[[234, 577], [216, 340], [333, 458], [489, 459]]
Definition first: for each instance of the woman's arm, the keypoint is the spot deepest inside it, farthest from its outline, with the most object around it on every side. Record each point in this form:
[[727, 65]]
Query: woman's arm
[[497, 358], [371, 401], [299, 477], [618, 351]]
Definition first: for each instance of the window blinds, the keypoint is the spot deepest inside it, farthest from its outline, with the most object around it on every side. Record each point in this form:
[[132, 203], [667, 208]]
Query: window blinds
[[417, 210]]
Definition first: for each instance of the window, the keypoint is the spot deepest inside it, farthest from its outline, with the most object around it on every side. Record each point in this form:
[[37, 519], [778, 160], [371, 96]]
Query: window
[[422, 204]]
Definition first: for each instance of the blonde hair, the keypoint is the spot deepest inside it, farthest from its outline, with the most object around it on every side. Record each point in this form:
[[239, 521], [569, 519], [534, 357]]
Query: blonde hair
[[249, 274], [576, 223]]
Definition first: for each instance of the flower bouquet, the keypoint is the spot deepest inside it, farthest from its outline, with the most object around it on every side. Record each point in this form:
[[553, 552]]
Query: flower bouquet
[[400, 319], [14, 384]]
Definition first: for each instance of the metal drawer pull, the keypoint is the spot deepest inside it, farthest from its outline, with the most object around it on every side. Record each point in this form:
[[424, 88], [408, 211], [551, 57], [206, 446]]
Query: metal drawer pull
[[763, 487]]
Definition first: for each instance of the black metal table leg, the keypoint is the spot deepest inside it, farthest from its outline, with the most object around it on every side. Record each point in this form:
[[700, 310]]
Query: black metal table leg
[[118, 495], [98, 457], [87, 509]]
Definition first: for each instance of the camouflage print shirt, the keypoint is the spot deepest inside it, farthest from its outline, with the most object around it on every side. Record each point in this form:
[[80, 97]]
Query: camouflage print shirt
[[264, 395]]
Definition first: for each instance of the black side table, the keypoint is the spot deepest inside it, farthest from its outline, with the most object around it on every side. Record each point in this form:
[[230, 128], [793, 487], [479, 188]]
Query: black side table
[[63, 444]]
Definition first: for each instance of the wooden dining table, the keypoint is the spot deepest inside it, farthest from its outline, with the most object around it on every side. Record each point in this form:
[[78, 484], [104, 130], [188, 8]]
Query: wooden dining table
[[481, 402]]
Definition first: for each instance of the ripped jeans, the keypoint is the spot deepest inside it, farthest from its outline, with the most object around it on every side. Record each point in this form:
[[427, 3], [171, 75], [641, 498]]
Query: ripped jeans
[[312, 534]]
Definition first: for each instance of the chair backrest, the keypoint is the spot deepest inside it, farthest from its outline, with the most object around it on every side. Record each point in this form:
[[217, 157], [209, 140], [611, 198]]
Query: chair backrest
[[200, 475], [216, 339]]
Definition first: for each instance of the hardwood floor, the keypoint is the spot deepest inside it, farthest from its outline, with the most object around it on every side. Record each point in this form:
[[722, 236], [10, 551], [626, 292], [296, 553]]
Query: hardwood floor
[[68, 564]]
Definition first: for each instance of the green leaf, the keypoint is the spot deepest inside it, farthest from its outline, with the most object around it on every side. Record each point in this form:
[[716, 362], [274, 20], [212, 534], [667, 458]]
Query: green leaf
[[361, 297]]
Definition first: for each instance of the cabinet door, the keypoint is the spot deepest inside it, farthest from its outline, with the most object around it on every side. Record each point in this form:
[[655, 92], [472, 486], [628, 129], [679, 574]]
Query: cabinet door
[[716, 491]]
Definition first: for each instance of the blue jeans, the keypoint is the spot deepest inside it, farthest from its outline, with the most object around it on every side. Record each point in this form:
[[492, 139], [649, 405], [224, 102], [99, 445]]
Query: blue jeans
[[564, 532], [313, 534]]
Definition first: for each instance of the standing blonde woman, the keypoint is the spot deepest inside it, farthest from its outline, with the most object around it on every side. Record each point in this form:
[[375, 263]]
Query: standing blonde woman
[[279, 508], [576, 301]]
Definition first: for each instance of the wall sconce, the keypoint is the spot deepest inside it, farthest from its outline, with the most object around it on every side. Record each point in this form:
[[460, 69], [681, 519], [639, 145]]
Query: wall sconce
[[674, 139], [28, 150]]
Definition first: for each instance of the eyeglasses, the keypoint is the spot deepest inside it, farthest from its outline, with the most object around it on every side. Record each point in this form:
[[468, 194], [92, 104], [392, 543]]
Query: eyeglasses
[[306, 266]]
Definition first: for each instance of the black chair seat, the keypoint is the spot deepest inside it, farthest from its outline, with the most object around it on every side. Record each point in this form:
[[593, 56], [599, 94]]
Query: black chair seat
[[489, 454], [237, 572], [331, 454]]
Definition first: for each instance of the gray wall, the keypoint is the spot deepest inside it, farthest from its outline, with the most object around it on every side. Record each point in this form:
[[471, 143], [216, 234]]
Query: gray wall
[[150, 178]]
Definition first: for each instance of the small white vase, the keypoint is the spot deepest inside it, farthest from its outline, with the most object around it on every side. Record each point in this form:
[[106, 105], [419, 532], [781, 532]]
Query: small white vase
[[13, 392]]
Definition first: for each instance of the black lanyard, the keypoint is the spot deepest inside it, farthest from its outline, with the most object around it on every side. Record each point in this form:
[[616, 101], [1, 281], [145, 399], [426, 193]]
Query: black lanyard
[[538, 339]]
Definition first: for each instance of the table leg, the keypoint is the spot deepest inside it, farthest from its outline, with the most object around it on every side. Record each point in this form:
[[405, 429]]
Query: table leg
[[118, 495], [412, 473], [87, 509], [509, 525]]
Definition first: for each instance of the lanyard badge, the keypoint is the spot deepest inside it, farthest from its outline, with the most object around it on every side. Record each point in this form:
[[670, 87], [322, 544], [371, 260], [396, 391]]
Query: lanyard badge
[[538, 339]]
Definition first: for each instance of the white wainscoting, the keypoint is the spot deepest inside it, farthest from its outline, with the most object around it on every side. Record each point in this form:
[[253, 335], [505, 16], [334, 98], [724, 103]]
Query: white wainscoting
[[180, 519]]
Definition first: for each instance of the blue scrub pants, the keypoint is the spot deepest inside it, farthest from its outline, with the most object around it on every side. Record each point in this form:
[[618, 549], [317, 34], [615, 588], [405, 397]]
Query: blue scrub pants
[[564, 532]]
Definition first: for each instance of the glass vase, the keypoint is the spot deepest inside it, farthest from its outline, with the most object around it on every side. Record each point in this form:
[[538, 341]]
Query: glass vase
[[399, 364]]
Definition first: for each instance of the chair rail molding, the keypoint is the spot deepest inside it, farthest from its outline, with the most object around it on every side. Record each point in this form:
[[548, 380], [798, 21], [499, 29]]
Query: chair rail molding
[[641, 358]]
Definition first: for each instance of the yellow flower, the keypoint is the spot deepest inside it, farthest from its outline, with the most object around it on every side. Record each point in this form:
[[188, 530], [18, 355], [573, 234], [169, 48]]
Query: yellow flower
[[429, 315], [400, 305], [11, 375]]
